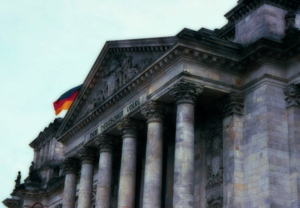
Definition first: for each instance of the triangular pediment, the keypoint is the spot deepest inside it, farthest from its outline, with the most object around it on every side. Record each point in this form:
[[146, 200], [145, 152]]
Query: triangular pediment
[[117, 64]]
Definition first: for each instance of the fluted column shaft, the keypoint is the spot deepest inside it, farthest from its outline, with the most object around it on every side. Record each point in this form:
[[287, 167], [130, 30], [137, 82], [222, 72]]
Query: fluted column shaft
[[86, 177], [184, 94], [153, 111], [104, 177], [127, 183], [71, 167]]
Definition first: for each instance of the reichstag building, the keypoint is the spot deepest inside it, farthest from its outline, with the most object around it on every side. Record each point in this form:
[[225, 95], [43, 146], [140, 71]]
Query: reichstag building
[[206, 119]]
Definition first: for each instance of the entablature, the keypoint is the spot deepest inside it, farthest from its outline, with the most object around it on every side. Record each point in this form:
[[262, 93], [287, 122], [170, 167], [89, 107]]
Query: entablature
[[212, 51]]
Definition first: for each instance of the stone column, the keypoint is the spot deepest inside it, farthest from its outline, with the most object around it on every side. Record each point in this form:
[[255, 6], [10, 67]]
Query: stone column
[[71, 167], [232, 155], [105, 144], [126, 195], [184, 94], [153, 112], [292, 94], [87, 155]]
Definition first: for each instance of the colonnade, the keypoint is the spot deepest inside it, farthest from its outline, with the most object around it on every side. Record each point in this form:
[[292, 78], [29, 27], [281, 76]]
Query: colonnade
[[184, 94]]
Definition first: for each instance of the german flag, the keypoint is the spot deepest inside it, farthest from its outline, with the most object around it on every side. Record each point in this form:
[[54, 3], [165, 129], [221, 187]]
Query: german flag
[[65, 101]]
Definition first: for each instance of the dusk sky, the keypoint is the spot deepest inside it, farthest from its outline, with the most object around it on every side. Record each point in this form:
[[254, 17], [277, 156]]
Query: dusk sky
[[48, 47]]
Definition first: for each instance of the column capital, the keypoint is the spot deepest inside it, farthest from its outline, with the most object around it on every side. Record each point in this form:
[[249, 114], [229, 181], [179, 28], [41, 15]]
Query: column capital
[[154, 111], [71, 165], [87, 155], [105, 143], [129, 127], [185, 92], [233, 104], [292, 95]]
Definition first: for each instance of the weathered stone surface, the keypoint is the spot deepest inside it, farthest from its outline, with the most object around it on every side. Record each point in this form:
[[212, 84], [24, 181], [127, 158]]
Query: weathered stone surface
[[184, 94], [265, 148], [104, 177], [127, 182], [154, 113], [292, 93], [267, 21], [86, 177]]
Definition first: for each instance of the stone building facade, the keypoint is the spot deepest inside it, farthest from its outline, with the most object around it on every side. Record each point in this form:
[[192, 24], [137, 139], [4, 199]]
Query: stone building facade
[[204, 119]]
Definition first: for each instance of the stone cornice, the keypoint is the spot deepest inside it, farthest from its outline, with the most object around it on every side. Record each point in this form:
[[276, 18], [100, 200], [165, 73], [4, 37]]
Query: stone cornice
[[245, 7], [227, 32], [12, 203], [222, 54], [47, 134], [49, 164], [58, 185]]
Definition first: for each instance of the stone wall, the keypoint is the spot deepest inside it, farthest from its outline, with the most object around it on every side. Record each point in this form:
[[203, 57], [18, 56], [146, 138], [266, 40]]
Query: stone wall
[[265, 147], [267, 21]]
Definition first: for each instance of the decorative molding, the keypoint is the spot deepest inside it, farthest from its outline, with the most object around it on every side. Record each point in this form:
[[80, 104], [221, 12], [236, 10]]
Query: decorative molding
[[105, 143], [87, 155], [122, 68], [185, 92], [13, 203], [154, 111], [71, 165], [129, 127], [246, 7], [292, 95], [233, 104], [47, 134], [230, 56], [227, 32]]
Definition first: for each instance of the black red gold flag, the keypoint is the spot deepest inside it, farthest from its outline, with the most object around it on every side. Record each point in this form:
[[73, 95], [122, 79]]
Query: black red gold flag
[[65, 101]]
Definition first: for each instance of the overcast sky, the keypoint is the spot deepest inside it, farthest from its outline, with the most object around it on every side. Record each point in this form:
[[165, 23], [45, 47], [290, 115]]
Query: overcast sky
[[48, 47]]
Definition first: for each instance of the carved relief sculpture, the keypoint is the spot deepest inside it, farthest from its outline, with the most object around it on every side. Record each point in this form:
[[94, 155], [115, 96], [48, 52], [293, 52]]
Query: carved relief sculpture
[[121, 69], [214, 162]]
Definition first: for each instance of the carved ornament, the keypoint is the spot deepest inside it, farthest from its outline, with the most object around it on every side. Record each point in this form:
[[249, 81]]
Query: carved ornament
[[290, 22], [154, 111], [129, 127], [121, 69], [71, 165], [87, 155], [234, 103], [292, 95], [214, 161], [105, 143], [185, 92]]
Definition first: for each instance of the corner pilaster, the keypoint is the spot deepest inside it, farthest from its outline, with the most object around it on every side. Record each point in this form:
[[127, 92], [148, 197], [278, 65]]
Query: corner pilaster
[[232, 153], [292, 93]]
